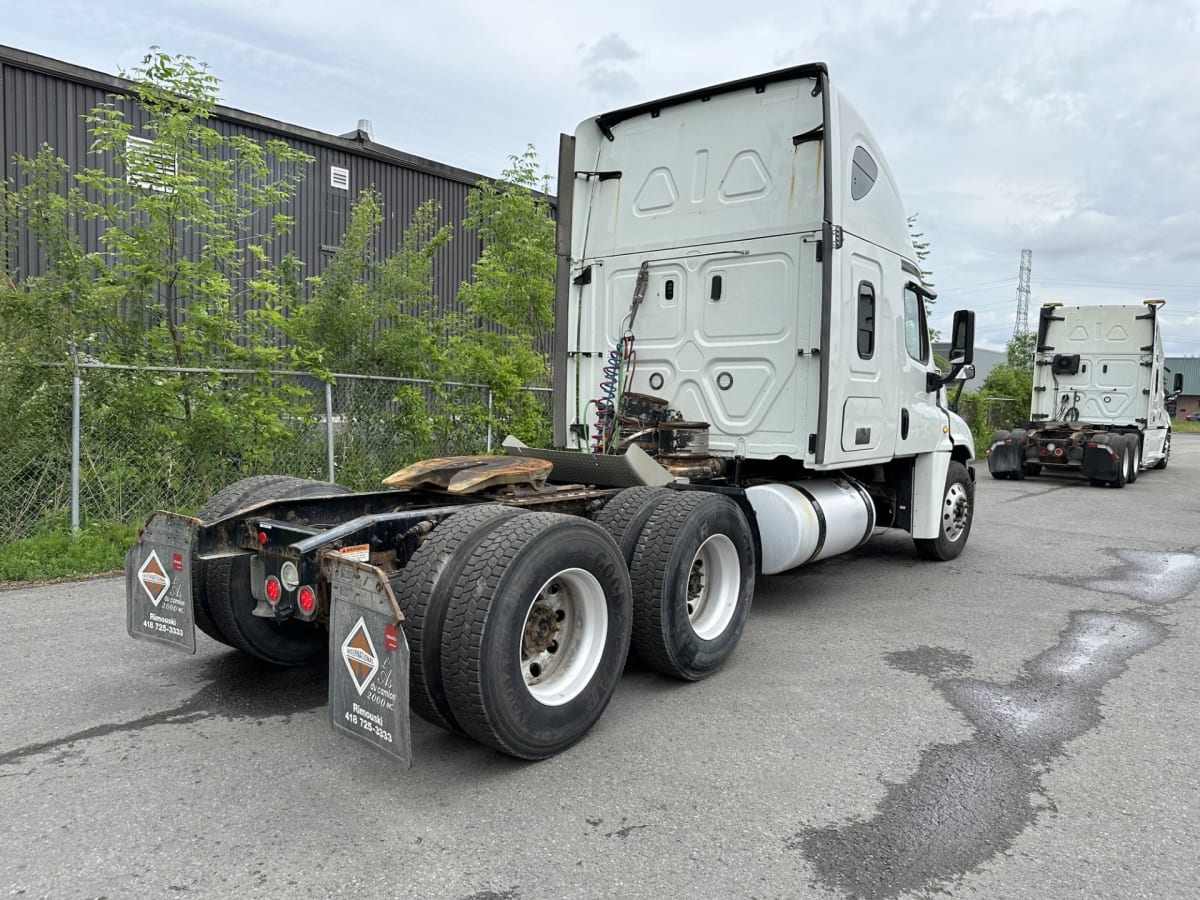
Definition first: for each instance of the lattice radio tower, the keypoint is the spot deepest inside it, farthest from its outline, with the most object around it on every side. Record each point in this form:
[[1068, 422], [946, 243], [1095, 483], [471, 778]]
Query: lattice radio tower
[[1021, 326]]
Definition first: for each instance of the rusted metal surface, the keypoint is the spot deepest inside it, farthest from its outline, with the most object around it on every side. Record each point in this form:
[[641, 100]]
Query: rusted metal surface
[[469, 474], [685, 465]]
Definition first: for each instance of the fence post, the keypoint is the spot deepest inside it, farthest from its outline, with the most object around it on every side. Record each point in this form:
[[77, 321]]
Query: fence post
[[75, 452], [489, 443], [329, 429]]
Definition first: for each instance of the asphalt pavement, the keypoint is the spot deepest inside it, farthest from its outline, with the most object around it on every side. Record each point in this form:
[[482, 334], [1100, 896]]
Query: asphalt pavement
[[1021, 722]]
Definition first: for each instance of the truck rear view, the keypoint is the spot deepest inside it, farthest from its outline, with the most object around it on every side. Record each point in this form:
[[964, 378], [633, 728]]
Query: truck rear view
[[1099, 397]]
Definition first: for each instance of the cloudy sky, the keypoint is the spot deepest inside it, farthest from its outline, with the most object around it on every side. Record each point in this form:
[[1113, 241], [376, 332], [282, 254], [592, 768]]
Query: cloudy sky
[[1068, 128]]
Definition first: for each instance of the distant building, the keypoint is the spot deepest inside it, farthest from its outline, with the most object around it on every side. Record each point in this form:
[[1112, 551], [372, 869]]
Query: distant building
[[1189, 400], [985, 361], [43, 100]]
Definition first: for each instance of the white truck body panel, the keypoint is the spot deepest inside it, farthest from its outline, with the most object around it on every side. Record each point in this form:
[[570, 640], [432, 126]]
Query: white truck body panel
[[751, 319]]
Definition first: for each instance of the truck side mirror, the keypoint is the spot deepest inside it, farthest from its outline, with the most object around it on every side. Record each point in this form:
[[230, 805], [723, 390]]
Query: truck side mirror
[[962, 344], [962, 352], [1177, 383]]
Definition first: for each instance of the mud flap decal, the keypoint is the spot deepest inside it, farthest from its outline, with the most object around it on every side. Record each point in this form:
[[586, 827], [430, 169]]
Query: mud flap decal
[[368, 659], [158, 582]]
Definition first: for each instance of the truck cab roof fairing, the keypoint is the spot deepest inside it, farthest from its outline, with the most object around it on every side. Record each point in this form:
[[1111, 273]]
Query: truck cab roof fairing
[[606, 121]]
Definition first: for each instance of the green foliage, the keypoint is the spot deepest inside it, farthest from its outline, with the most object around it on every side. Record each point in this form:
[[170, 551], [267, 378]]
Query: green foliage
[[187, 217], [1020, 351], [373, 312], [187, 273], [1003, 399], [100, 547], [511, 296], [183, 277]]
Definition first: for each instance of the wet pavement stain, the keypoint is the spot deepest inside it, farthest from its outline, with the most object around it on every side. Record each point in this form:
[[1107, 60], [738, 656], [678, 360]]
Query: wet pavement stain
[[969, 801], [1152, 578], [933, 663], [238, 687]]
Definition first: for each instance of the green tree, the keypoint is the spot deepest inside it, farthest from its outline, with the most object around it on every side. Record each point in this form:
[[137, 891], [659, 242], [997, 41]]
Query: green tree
[[510, 298], [1020, 351], [1003, 399], [374, 313], [185, 274], [187, 217]]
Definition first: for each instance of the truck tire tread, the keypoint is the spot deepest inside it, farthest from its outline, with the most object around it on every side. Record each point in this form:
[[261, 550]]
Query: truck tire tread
[[424, 588], [486, 692], [941, 548], [663, 636]]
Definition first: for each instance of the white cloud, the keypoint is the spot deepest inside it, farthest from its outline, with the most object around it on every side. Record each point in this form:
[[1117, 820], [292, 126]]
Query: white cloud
[[1066, 126]]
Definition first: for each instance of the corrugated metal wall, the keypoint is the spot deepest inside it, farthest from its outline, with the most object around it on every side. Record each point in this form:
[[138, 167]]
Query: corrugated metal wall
[[42, 101]]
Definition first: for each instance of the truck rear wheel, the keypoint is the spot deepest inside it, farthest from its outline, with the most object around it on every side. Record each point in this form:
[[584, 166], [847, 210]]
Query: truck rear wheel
[[1135, 456], [958, 511], [1121, 446], [536, 634], [693, 583], [231, 498], [222, 586], [1019, 436], [424, 589]]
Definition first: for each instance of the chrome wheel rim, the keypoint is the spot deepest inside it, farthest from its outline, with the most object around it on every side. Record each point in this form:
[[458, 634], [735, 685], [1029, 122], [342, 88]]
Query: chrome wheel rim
[[713, 587], [563, 638], [955, 509]]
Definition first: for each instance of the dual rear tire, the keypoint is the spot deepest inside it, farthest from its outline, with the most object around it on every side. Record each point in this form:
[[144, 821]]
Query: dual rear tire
[[221, 600], [535, 633], [519, 623]]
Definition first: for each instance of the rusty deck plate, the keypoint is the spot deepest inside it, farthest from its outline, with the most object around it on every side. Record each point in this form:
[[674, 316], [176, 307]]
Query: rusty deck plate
[[467, 474]]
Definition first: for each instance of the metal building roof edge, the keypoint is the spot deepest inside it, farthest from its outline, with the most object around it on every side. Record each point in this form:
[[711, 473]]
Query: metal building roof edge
[[18, 58]]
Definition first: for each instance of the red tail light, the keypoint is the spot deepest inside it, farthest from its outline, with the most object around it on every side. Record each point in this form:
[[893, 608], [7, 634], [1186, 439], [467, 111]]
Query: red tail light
[[273, 589], [306, 600]]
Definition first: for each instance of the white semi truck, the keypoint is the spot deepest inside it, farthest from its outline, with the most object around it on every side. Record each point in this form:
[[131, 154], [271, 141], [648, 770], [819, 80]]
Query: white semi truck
[[1100, 394], [744, 384]]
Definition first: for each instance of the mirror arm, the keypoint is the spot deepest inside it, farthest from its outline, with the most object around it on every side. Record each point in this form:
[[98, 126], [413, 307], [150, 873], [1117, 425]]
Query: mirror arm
[[935, 380]]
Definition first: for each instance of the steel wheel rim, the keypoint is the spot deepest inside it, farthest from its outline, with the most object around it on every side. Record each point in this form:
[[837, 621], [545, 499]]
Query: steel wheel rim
[[1135, 459], [562, 641], [713, 586], [954, 512]]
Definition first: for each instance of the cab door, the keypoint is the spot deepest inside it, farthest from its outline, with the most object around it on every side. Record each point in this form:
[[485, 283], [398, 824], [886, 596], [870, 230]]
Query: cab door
[[920, 423], [861, 393]]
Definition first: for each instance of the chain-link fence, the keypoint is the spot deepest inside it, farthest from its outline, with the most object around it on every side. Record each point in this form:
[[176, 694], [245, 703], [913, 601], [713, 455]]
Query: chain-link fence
[[114, 443]]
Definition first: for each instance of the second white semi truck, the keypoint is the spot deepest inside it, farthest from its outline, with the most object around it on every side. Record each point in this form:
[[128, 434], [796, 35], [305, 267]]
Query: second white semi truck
[[743, 384], [1100, 394]]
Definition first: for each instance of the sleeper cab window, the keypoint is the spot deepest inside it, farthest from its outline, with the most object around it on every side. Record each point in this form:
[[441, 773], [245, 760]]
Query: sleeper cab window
[[863, 172], [916, 335], [866, 320]]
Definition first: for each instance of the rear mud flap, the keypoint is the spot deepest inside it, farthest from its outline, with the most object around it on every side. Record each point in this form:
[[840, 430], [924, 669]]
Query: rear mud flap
[[1098, 462], [368, 659], [158, 582], [1006, 458]]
